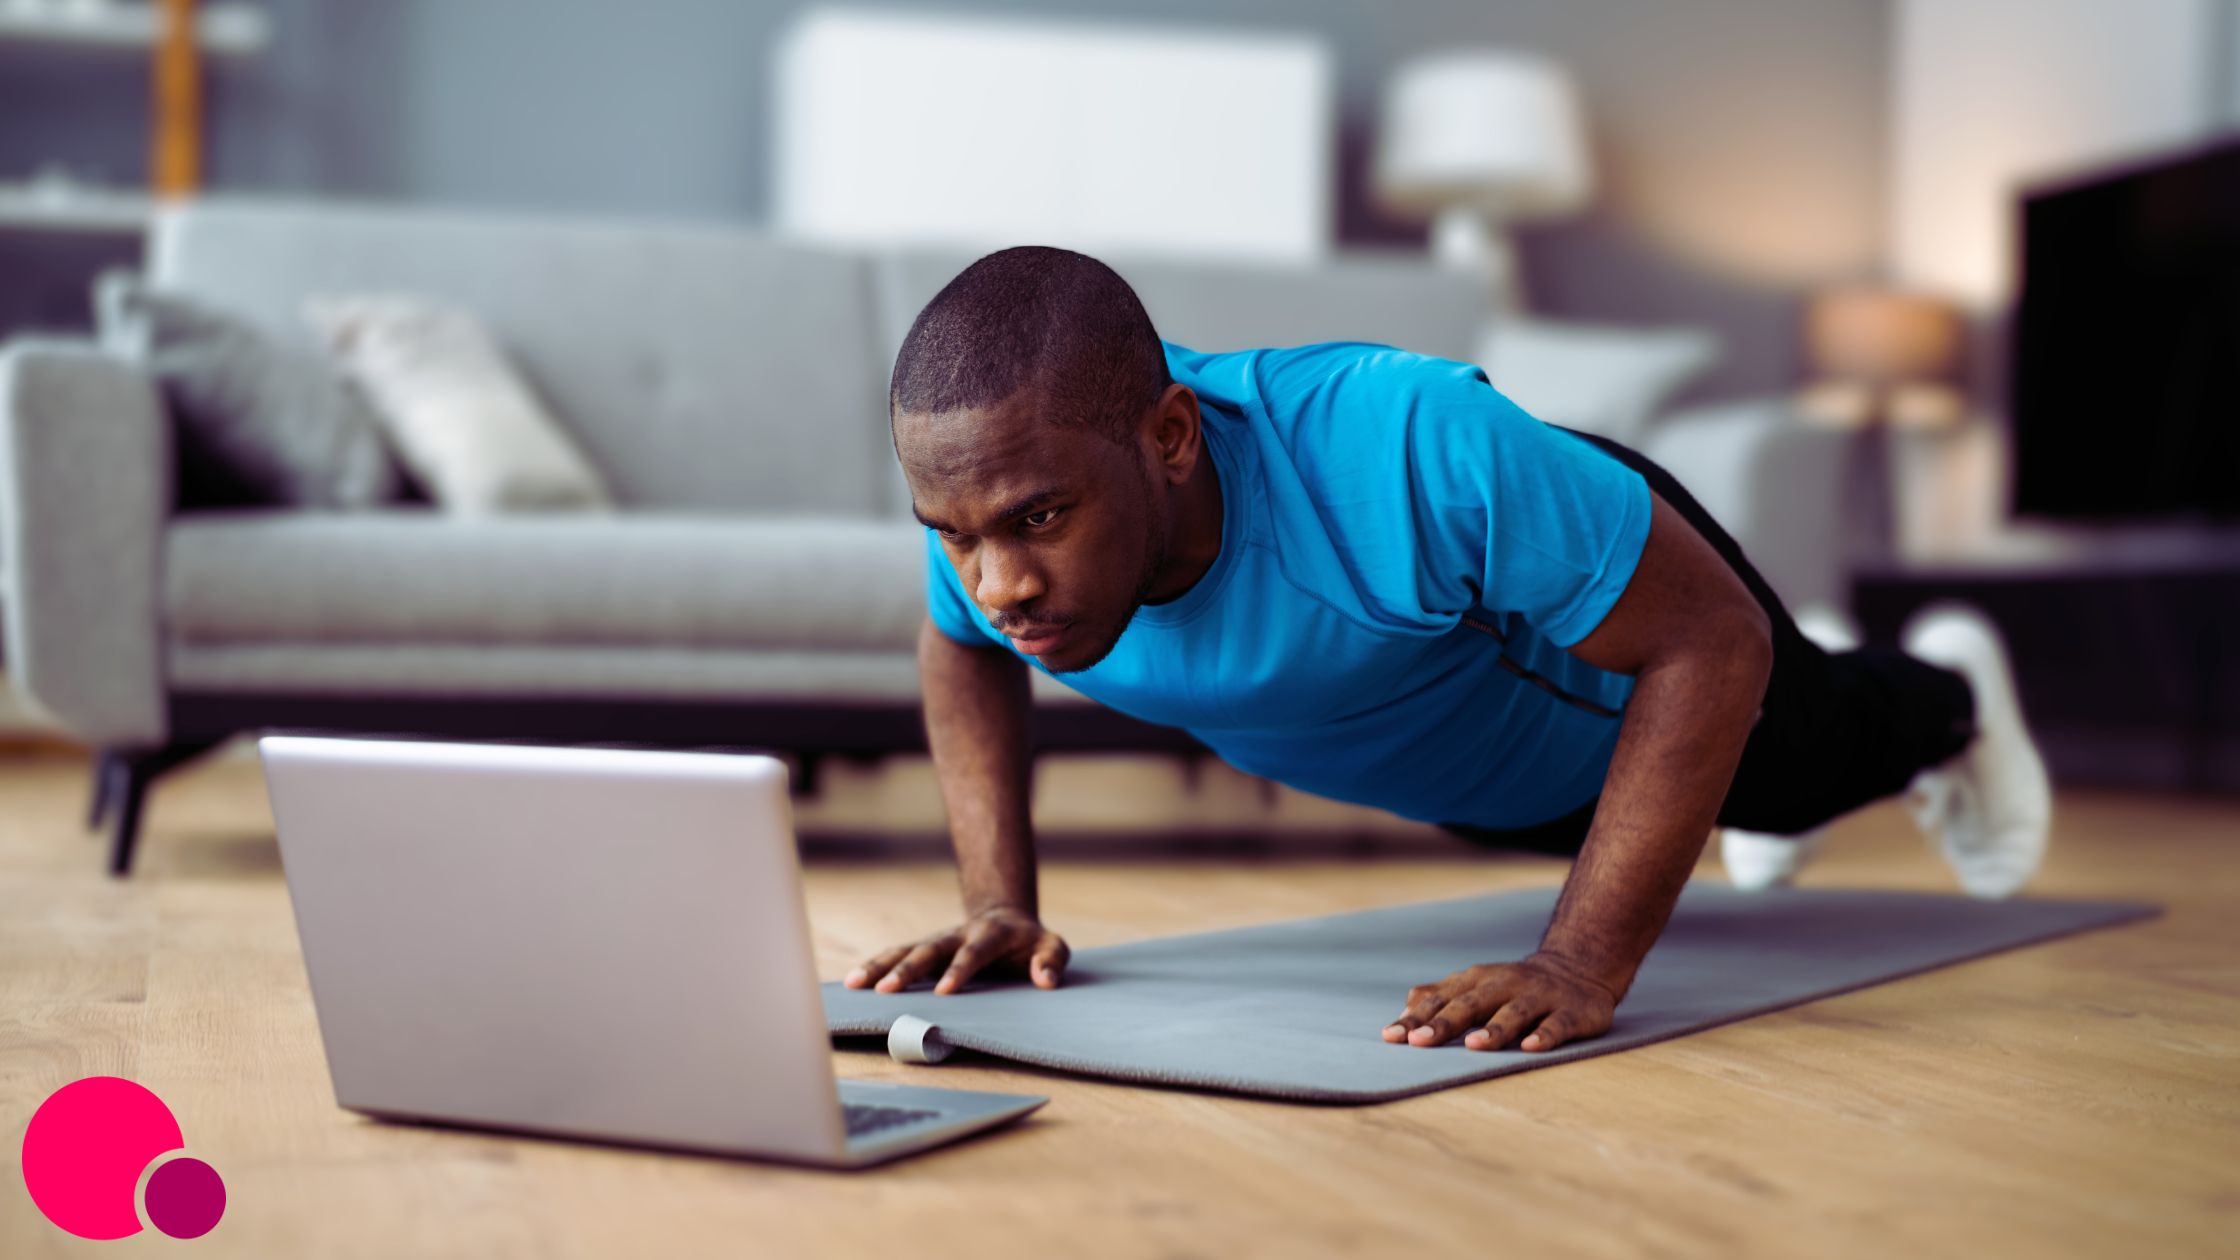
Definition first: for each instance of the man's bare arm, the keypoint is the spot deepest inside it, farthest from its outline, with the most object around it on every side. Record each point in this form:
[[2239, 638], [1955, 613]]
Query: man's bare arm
[[1700, 650], [976, 705], [976, 702]]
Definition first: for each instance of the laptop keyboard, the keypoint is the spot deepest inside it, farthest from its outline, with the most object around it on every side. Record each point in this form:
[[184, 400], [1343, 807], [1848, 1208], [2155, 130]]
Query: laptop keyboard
[[865, 1118]]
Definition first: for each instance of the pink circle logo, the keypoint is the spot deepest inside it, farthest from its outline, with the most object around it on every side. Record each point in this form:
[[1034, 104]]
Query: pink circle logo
[[89, 1147]]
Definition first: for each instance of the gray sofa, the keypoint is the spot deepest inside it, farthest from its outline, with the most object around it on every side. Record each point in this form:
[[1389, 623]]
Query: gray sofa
[[762, 586]]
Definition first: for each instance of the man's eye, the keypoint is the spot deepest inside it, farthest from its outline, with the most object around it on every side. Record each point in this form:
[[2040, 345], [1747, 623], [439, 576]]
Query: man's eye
[[1047, 514]]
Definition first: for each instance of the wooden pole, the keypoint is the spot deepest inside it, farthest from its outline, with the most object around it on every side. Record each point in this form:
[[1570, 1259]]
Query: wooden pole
[[176, 160]]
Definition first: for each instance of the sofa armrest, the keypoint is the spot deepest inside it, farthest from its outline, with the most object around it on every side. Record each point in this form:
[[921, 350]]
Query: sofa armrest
[[85, 491], [1776, 483]]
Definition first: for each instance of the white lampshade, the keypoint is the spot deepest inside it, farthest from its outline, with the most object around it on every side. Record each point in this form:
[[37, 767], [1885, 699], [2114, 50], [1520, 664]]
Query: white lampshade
[[1499, 132]]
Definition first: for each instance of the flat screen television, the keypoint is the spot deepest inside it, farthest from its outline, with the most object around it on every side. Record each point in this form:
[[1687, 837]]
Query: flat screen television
[[2125, 368]]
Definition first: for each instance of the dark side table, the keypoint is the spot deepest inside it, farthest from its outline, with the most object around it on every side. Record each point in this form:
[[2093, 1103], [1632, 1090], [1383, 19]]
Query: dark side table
[[2129, 668]]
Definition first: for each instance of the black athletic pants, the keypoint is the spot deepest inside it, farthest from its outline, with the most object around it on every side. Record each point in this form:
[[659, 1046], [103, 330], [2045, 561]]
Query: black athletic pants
[[1835, 731]]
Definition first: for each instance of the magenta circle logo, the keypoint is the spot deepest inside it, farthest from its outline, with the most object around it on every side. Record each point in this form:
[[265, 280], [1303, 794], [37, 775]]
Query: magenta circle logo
[[85, 1153]]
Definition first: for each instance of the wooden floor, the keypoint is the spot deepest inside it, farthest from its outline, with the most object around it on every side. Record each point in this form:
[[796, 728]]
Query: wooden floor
[[2078, 1098]]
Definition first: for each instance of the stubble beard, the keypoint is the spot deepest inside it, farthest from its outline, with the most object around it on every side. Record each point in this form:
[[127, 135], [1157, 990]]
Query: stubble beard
[[1155, 548]]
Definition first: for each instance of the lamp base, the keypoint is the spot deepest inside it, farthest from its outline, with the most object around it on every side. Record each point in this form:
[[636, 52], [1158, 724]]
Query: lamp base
[[1468, 238], [1839, 404]]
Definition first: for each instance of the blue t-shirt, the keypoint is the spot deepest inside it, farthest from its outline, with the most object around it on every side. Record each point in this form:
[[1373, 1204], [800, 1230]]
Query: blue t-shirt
[[1405, 555]]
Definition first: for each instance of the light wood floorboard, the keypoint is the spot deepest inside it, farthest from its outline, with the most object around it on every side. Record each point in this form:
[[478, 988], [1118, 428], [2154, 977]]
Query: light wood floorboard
[[2077, 1098]]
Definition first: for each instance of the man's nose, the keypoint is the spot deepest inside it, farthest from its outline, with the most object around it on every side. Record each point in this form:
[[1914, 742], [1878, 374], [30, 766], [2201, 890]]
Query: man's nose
[[1006, 584]]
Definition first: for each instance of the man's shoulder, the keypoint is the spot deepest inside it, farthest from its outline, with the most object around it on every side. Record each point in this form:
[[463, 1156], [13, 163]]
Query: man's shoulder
[[1300, 389], [1317, 362]]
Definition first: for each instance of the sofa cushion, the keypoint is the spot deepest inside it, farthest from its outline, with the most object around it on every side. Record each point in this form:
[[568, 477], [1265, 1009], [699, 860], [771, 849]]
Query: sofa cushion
[[405, 575], [258, 420], [571, 671], [472, 430], [1234, 306], [700, 367], [1604, 379]]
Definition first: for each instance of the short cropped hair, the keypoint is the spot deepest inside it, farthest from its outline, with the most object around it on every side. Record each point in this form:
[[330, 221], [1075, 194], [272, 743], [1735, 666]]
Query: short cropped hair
[[1051, 320]]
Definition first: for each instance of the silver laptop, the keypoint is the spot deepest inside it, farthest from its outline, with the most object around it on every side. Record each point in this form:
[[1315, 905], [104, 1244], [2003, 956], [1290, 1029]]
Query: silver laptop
[[587, 942]]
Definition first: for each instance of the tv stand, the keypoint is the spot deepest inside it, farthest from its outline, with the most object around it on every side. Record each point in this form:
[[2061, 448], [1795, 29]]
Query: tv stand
[[2126, 651]]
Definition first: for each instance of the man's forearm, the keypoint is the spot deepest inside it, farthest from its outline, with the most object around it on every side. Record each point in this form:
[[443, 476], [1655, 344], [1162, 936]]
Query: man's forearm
[[976, 725], [1683, 734]]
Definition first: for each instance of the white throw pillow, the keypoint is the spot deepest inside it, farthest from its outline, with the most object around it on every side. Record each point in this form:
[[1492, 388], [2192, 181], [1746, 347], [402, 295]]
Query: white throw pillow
[[459, 415], [1596, 378]]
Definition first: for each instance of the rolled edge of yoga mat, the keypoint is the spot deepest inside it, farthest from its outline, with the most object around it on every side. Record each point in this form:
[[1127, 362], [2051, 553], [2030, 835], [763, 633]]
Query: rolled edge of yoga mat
[[914, 1040], [1821, 943]]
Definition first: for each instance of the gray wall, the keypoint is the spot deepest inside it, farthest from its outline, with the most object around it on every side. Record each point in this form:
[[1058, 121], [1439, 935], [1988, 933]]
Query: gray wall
[[1741, 141]]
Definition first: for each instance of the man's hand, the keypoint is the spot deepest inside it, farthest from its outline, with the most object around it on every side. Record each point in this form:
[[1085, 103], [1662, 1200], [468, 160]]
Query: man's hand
[[1499, 1001], [1700, 649], [998, 935]]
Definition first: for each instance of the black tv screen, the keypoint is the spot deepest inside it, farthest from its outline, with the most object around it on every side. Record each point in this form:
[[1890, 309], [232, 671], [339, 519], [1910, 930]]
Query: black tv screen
[[2125, 373]]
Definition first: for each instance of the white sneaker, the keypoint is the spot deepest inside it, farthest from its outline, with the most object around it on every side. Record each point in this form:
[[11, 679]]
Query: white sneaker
[[1829, 626], [1755, 860], [1990, 807]]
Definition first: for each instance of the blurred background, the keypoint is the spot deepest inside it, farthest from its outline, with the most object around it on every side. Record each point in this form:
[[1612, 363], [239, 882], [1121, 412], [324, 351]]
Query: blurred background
[[1925, 299]]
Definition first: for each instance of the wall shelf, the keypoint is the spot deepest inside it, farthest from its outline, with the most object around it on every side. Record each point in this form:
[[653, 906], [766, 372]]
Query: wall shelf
[[28, 207], [230, 30]]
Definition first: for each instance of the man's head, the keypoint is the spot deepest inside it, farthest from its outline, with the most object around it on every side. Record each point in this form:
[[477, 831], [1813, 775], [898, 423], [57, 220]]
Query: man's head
[[1041, 434]]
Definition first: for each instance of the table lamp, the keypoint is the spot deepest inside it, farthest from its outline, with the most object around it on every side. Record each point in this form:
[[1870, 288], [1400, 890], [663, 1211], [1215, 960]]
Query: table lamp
[[1881, 358], [1881, 354], [1480, 140]]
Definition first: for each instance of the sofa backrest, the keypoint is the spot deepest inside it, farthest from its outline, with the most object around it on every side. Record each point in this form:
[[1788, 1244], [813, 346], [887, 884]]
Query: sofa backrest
[[699, 367], [1212, 306], [720, 368], [1399, 301]]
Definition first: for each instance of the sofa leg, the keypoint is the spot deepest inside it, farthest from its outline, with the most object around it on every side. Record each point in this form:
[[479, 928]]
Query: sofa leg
[[106, 771], [132, 775], [806, 779], [125, 834]]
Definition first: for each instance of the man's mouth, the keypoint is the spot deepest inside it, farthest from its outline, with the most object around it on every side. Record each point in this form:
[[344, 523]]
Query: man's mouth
[[1036, 640]]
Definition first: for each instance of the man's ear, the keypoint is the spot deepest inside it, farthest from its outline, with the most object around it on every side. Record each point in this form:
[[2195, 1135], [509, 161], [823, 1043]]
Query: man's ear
[[1176, 439]]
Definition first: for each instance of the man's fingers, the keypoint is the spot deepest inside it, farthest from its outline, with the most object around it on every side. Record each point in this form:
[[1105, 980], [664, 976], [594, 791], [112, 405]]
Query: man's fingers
[[1492, 1005], [1047, 966], [1552, 1032], [984, 943], [1561, 1027], [1463, 1010], [915, 966], [1424, 1001], [1515, 1016], [967, 961], [875, 966]]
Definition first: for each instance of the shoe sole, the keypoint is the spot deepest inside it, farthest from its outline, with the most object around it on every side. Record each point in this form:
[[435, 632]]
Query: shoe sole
[[1963, 640]]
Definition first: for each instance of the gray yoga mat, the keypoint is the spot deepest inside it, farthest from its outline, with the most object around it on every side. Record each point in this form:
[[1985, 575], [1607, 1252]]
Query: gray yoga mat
[[1294, 1010]]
